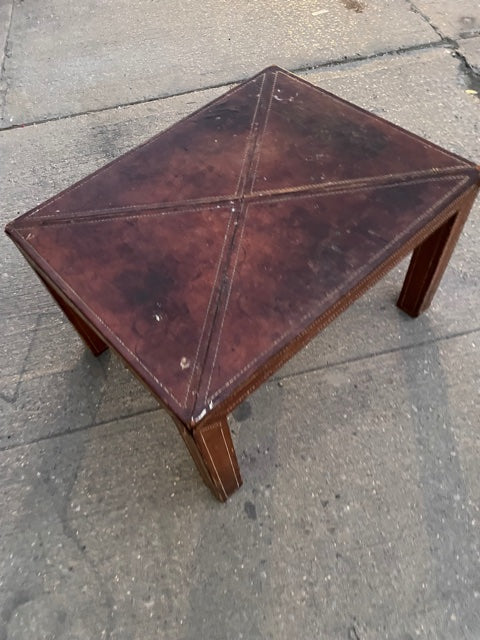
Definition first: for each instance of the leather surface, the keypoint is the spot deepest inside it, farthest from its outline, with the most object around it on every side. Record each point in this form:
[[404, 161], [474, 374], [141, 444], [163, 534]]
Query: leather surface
[[204, 252]]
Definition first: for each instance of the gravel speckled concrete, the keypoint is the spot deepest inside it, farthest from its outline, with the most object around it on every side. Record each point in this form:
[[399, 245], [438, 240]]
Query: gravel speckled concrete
[[70, 57]]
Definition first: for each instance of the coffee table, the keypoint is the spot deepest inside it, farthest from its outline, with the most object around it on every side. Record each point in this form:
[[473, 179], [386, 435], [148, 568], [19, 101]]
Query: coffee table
[[213, 252]]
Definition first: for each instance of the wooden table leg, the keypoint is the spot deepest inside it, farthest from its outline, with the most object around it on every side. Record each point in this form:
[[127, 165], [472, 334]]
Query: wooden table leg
[[211, 447], [428, 264], [88, 335]]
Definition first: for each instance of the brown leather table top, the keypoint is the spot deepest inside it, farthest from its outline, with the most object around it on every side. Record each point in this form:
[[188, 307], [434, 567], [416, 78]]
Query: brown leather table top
[[200, 255]]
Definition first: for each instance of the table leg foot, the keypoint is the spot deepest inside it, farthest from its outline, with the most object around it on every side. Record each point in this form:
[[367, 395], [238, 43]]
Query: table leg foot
[[211, 447], [428, 264], [88, 335]]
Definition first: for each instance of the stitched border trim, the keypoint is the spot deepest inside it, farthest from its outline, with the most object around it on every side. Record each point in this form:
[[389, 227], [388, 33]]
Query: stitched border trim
[[313, 312], [76, 296], [372, 116], [143, 145], [279, 358], [65, 222]]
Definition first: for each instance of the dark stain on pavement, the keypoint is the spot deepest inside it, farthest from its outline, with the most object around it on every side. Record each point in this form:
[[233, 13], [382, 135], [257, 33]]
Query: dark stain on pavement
[[250, 510], [354, 5], [243, 411]]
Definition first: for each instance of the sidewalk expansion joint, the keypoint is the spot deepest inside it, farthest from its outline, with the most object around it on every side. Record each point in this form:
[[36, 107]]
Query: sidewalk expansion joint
[[71, 432], [6, 54], [374, 354], [439, 44]]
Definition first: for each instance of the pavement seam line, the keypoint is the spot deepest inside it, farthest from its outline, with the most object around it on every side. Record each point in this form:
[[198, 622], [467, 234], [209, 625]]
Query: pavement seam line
[[439, 44], [374, 354], [274, 379], [3, 75], [86, 427], [419, 12]]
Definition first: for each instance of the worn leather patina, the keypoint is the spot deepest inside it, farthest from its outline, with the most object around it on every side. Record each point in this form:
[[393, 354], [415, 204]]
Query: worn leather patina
[[210, 254]]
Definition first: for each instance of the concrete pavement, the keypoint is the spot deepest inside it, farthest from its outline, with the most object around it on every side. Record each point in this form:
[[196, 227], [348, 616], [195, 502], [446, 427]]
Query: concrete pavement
[[359, 517]]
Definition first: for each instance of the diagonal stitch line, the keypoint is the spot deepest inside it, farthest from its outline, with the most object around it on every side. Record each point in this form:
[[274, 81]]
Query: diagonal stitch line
[[235, 267], [99, 171], [298, 79], [145, 144], [97, 220], [365, 187], [249, 144], [309, 196], [110, 333], [237, 253], [73, 215], [370, 115], [381, 180], [149, 214], [209, 203], [160, 207], [186, 206], [352, 277], [338, 307], [221, 308], [214, 287], [224, 311], [156, 205], [332, 293], [258, 149], [206, 315]]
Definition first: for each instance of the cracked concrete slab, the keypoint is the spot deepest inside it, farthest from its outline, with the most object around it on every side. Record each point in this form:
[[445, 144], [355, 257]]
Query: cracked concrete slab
[[384, 543], [452, 18], [5, 19], [68, 57], [470, 49]]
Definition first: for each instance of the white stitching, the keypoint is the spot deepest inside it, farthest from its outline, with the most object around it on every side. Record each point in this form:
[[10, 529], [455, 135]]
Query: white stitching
[[155, 204], [312, 313], [110, 331], [99, 171], [370, 115], [229, 457], [367, 187], [114, 334], [237, 253], [153, 214], [208, 308], [209, 204], [134, 216], [343, 303], [353, 182], [133, 207], [213, 465], [160, 210], [409, 277], [258, 145], [152, 140], [262, 135], [247, 145]]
